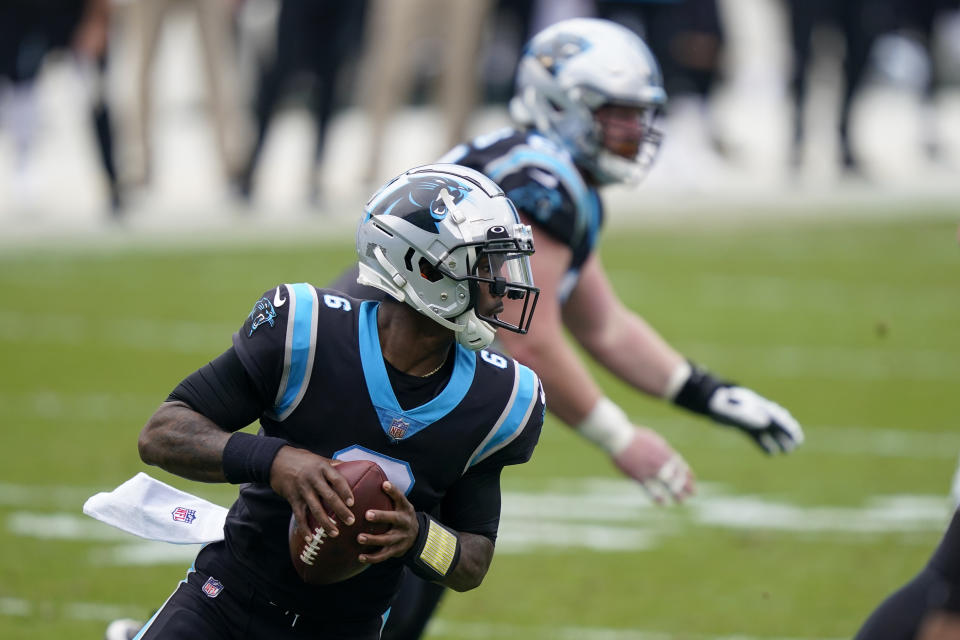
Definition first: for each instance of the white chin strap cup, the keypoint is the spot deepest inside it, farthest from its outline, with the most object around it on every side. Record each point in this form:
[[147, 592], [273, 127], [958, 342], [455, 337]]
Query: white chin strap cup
[[474, 333]]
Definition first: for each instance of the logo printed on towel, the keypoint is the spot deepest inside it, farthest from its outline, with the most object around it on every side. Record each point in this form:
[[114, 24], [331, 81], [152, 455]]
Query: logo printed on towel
[[182, 514], [212, 587]]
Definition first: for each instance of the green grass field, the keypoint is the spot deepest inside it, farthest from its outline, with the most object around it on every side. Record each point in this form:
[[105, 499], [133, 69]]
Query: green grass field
[[852, 324]]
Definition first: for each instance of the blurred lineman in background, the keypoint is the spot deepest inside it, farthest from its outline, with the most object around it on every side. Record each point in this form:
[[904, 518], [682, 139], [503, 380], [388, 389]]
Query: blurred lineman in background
[[587, 94]]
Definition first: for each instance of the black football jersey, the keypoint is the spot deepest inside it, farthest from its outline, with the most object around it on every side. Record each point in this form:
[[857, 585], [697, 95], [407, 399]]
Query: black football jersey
[[316, 352], [544, 183]]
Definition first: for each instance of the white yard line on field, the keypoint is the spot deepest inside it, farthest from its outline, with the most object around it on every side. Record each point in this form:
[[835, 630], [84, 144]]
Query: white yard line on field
[[593, 514], [15, 607], [96, 611], [928, 442]]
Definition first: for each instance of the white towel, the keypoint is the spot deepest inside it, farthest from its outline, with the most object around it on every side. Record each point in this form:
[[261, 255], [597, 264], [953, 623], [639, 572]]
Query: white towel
[[154, 510]]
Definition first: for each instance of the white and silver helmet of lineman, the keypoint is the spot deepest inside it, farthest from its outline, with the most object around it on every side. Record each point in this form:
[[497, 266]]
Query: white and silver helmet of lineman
[[572, 68], [435, 234]]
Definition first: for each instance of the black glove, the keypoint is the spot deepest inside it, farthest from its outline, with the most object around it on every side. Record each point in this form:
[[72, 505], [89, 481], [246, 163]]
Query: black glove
[[767, 423]]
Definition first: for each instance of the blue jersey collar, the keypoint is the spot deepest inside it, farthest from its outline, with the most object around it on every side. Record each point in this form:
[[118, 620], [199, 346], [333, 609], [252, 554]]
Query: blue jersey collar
[[398, 423]]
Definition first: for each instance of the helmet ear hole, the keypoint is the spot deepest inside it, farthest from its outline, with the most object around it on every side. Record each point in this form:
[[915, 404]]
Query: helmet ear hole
[[408, 259], [428, 271]]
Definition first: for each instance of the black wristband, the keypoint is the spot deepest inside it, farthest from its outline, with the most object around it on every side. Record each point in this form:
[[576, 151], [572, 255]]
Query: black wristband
[[436, 551], [248, 458], [697, 390]]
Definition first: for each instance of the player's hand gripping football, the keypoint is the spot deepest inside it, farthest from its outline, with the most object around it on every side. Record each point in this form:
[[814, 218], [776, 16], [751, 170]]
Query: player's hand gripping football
[[401, 535], [767, 423], [649, 460], [312, 483]]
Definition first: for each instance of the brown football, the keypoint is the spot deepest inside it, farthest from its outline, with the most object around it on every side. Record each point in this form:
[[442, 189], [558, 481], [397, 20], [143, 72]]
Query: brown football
[[320, 559]]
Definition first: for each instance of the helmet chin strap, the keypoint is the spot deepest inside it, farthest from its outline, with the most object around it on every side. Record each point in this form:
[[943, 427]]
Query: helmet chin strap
[[472, 332], [475, 334]]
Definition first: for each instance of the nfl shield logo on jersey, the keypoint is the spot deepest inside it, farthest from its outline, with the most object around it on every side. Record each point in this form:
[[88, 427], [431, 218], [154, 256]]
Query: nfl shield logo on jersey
[[212, 587], [398, 428]]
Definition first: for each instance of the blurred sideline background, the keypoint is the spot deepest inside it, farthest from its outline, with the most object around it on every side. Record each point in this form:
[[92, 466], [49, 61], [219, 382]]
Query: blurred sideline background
[[182, 144]]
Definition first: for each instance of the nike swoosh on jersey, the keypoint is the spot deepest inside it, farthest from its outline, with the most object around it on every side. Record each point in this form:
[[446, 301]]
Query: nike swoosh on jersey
[[277, 300]]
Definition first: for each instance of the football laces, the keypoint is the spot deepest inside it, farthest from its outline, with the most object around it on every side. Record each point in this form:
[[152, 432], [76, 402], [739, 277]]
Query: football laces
[[309, 553]]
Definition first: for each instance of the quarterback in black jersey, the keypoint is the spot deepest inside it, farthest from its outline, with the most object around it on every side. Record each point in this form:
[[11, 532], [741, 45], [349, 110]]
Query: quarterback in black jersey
[[407, 382]]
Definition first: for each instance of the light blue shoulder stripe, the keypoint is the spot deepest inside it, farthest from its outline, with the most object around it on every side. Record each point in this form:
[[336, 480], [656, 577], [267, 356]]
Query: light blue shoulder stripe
[[381, 392], [514, 416], [299, 349]]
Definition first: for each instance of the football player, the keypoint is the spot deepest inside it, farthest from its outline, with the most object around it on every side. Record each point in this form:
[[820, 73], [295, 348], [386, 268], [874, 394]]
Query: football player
[[928, 606], [408, 382], [588, 93]]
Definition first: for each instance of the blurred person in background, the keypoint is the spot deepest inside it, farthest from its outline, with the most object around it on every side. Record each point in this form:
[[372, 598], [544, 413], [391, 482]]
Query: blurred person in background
[[214, 20], [510, 28], [858, 22], [917, 27], [687, 37], [30, 30], [406, 35], [314, 39], [587, 95]]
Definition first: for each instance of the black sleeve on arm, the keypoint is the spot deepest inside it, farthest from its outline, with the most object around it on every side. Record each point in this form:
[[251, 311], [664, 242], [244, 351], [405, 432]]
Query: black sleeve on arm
[[698, 389], [223, 391], [472, 504]]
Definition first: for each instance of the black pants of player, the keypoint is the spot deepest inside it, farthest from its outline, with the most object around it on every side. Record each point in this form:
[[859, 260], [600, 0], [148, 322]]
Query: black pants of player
[[236, 612], [411, 610], [859, 23], [936, 587], [663, 25]]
